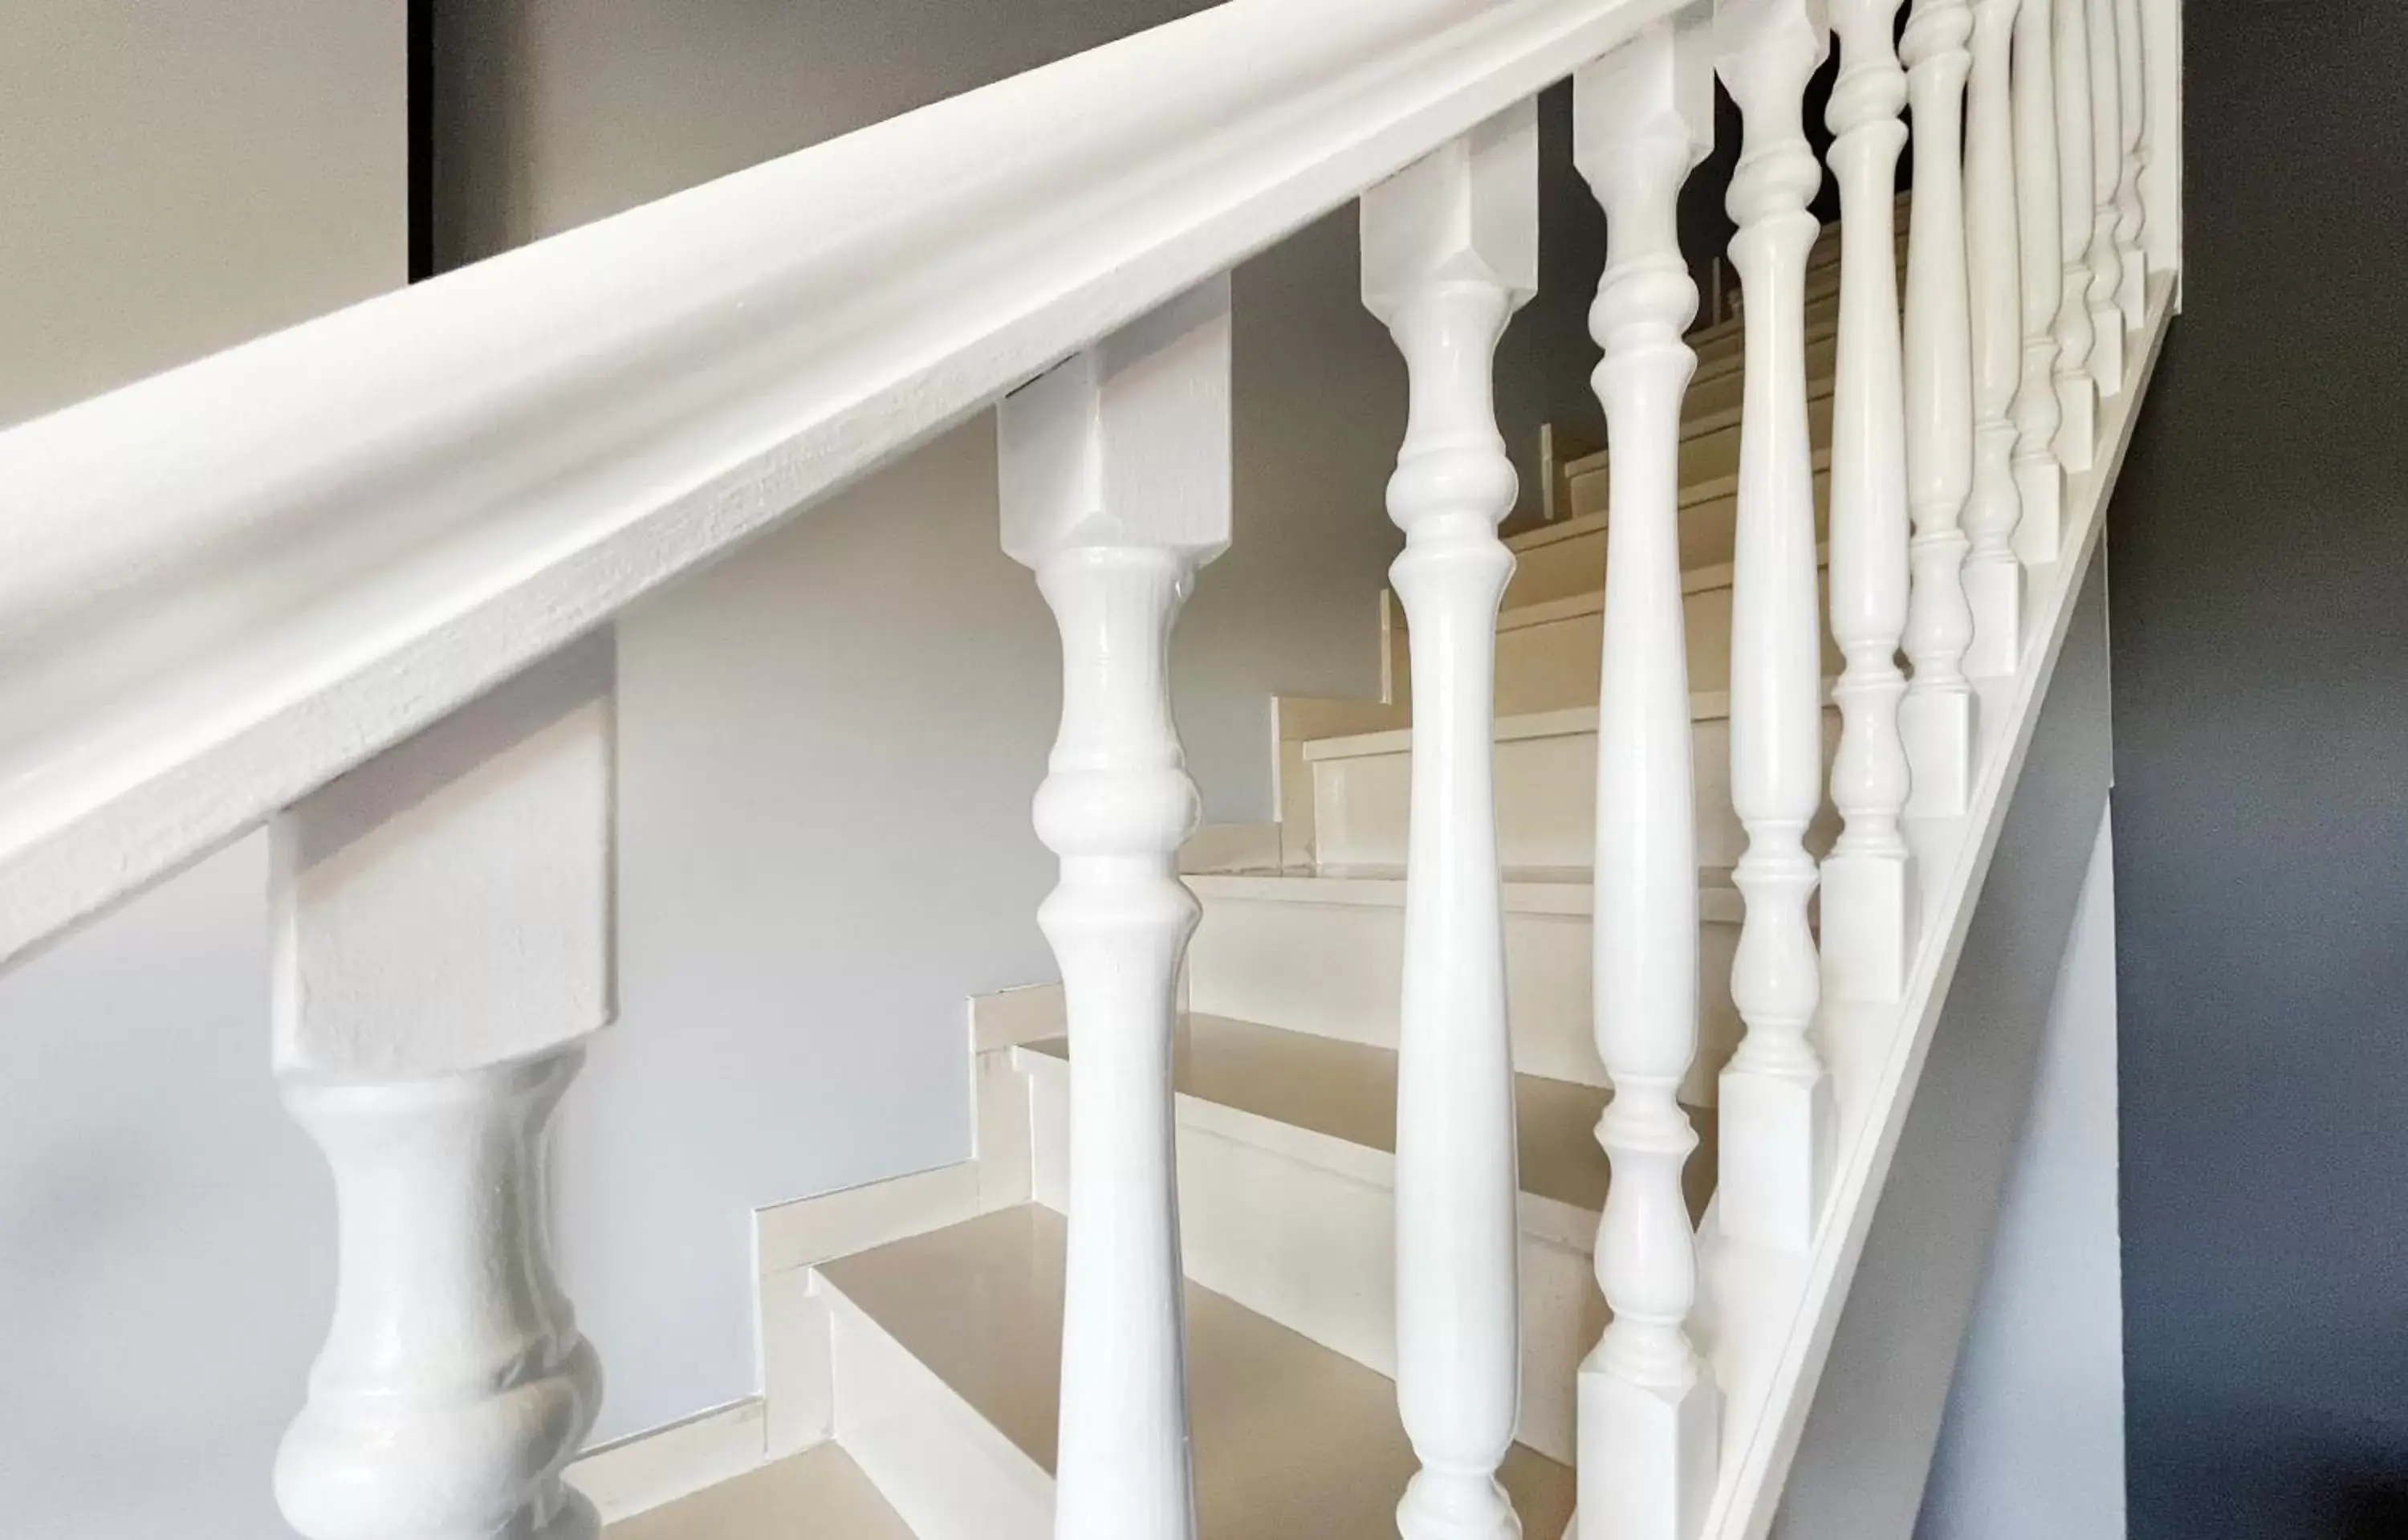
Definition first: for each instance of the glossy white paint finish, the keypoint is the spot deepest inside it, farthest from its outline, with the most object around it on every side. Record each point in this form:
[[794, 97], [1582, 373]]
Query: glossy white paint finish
[[2159, 31], [1546, 784], [1649, 1412], [1993, 579], [1294, 1217], [442, 922], [1115, 478], [1935, 718], [2040, 475], [1450, 250], [2122, 36], [1866, 912], [165, 691], [1775, 1093], [2104, 166], [2081, 368], [1323, 953], [1775, 1329]]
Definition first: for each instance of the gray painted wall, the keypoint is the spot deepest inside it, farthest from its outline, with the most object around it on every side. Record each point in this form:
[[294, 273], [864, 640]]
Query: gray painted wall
[[2260, 544]]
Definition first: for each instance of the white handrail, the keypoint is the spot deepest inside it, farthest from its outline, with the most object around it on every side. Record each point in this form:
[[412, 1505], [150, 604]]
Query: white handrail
[[224, 585]]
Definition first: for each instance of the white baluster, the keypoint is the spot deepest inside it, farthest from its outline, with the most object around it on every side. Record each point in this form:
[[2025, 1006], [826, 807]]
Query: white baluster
[[1450, 250], [2077, 390], [2040, 476], [1993, 579], [2121, 36], [443, 948], [2157, 33], [1114, 483], [1865, 881], [2106, 164], [1935, 718], [1777, 1134], [1649, 1410]]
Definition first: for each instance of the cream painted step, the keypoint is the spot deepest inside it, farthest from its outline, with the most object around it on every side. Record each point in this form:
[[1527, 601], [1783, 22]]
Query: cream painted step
[[1714, 402], [1324, 954], [1549, 654], [954, 1339], [1288, 1201], [1722, 347], [1558, 560], [819, 1494], [1546, 768]]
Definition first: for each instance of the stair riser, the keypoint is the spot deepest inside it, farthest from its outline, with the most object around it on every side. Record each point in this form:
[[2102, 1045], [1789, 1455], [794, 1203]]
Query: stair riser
[[1705, 456], [943, 1468], [1553, 666], [1546, 801], [1333, 968], [1724, 393], [1301, 1228]]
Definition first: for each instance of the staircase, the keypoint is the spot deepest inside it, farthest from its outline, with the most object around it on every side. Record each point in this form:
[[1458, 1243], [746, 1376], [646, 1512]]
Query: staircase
[[1300, 1205]]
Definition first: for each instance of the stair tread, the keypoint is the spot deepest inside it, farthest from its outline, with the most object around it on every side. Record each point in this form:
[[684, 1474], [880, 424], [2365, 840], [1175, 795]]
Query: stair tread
[[1348, 1091], [819, 1494], [1289, 1437]]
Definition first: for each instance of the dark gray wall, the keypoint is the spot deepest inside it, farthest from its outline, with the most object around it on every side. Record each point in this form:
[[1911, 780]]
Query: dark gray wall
[[2260, 594]]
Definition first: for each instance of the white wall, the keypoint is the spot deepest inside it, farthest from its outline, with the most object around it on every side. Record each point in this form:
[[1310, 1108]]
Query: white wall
[[2033, 1441], [178, 177]]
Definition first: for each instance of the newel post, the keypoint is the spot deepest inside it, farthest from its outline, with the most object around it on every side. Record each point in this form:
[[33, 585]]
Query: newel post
[[1115, 482], [1450, 250], [1778, 1118], [443, 948], [1866, 909], [1648, 1411], [1936, 719]]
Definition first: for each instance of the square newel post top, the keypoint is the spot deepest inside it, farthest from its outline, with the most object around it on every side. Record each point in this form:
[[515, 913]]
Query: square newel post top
[[1467, 211], [1128, 442]]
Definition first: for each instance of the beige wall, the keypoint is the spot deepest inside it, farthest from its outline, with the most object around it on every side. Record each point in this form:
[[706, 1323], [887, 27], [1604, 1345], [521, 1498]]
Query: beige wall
[[174, 178]]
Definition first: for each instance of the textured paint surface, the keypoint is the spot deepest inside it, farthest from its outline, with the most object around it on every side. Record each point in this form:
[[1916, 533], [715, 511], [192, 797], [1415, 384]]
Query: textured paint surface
[[2260, 546]]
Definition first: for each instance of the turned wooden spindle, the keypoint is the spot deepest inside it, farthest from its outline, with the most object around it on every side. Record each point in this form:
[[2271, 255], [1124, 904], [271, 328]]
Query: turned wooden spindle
[[1450, 250], [1115, 482], [1649, 1409], [1935, 718], [2040, 475], [1994, 577], [1777, 1128], [1866, 913]]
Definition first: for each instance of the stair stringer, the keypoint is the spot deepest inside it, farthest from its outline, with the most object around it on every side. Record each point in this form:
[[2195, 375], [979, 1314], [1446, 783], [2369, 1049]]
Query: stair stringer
[[1772, 1333], [1867, 1447]]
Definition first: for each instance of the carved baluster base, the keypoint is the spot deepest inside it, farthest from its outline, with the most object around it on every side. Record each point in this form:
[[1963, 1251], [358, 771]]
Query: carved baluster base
[[1868, 925], [2077, 421], [2107, 351], [1938, 728]]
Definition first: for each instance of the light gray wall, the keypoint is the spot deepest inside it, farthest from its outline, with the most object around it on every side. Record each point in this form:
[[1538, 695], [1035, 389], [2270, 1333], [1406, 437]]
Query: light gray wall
[[829, 744], [2033, 1441], [176, 178]]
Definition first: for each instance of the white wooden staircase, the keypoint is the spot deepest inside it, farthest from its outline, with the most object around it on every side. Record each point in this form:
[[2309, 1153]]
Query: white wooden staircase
[[1300, 1204]]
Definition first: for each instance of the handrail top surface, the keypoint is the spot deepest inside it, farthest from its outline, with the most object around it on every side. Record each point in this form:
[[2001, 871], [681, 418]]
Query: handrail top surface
[[226, 584]]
